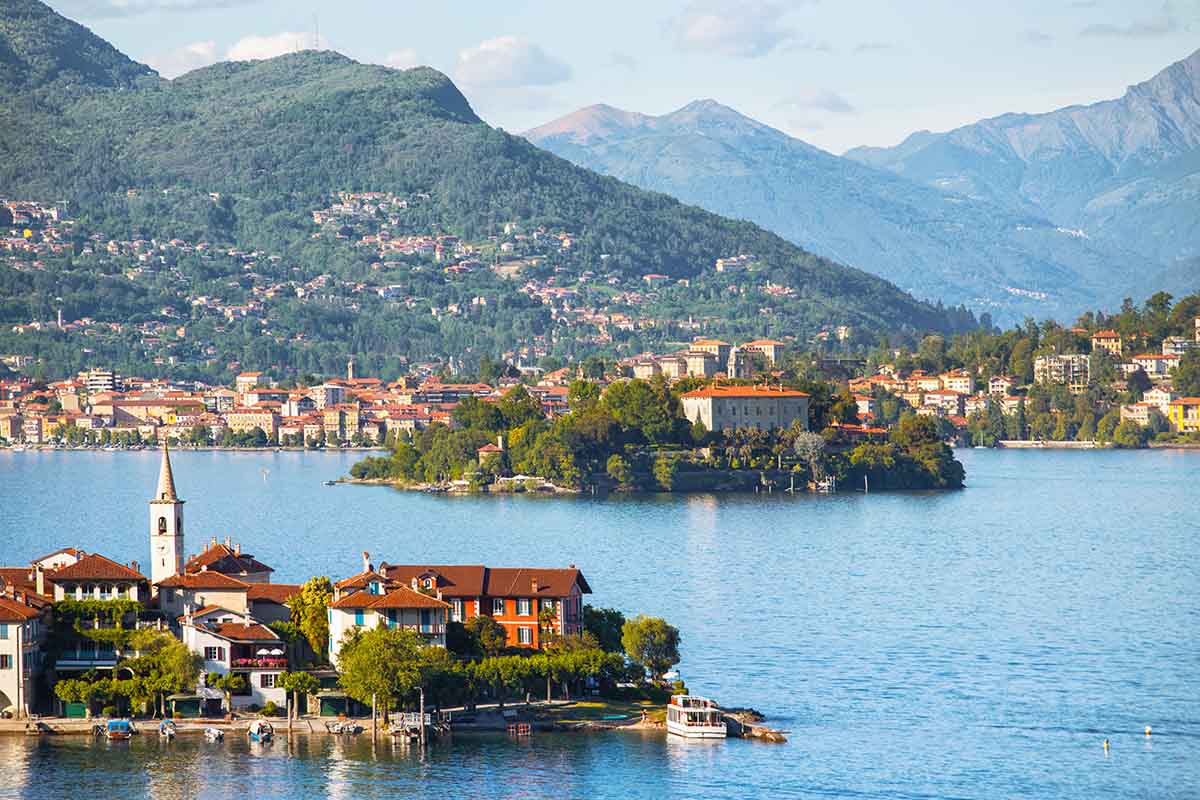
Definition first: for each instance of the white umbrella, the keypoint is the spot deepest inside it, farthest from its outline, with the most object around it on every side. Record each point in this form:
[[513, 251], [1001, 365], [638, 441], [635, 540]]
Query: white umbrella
[[276, 652], [263, 651]]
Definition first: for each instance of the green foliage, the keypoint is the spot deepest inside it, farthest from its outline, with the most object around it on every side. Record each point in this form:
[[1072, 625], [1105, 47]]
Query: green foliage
[[1129, 434], [381, 664], [309, 609], [618, 469], [489, 635], [607, 625], [665, 468], [1186, 378], [652, 643]]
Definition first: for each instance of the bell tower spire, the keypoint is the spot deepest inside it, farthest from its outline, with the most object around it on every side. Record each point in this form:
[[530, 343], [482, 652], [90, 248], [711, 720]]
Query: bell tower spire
[[166, 525]]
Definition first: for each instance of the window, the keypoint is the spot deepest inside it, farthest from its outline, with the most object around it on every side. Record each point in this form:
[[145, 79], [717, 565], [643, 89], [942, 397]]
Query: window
[[524, 608], [267, 680], [524, 635], [497, 605], [456, 610], [169, 595], [547, 604], [6, 662], [3, 630], [358, 616], [214, 654]]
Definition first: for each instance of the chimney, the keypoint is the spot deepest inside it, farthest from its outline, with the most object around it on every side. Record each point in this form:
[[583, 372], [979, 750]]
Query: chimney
[[570, 566], [237, 549], [40, 579], [204, 567], [500, 440], [534, 586], [366, 561], [133, 565], [414, 584], [227, 542], [213, 542]]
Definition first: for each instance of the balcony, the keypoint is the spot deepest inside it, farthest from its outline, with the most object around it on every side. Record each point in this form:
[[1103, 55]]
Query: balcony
[[265, 662]]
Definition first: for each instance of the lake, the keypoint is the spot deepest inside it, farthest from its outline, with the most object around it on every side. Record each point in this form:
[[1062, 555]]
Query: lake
[[973, 644]]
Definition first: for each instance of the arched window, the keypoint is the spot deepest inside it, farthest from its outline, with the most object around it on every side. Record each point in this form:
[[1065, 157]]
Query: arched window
[[162, 524]]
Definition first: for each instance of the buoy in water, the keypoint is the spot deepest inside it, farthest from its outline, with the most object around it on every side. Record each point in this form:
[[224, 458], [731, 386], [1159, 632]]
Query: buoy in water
[[1147, 730], [1106, 745]]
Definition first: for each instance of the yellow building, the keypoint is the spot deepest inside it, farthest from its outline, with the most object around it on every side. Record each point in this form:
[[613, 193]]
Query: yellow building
[[1184, 415]]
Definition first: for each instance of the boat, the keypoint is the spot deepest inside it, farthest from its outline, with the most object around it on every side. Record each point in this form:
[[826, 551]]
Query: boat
[[118, 730], [18, 448], [695, 717], [344, 728], [260, 731], [166, 729], [331, 483], [214, 734]]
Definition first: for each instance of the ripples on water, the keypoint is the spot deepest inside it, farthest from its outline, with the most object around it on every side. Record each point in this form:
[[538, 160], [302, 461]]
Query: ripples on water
[[974, 644]]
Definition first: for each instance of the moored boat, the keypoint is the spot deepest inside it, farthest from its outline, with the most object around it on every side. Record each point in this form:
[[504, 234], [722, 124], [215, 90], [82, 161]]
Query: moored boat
[[214, 734], [260, 731], [166, 729], [118, 730], [695, 718]]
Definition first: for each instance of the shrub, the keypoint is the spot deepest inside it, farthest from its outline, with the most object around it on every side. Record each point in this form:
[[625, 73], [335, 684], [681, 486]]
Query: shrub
[[270, 709], [108, 711]]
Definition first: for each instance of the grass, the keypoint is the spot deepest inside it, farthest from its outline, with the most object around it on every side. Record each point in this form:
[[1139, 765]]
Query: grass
[[598, 710]]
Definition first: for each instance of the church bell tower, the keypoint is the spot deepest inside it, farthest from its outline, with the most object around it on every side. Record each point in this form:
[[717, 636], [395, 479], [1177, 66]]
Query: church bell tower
[[166, 526]]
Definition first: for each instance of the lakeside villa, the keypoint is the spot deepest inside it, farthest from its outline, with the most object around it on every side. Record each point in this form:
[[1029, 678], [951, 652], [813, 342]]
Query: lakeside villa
[[221, 603]]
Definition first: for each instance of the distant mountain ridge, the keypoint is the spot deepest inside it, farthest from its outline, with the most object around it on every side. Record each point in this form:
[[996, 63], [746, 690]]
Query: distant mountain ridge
[[1124, 170], [1008, 262], [240, 154]]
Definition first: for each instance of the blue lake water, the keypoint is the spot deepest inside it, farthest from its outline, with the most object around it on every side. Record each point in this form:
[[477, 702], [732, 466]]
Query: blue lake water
[[975, 644]]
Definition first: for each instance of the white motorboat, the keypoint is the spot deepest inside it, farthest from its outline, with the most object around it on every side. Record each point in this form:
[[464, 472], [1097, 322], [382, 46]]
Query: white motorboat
[[214, 734], [695, 718]]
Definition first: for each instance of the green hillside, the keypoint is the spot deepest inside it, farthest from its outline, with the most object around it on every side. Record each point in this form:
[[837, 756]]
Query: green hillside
[[241, 154]]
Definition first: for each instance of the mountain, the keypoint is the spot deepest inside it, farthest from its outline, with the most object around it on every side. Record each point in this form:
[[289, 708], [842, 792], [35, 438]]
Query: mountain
[[1009, 263], [1124, 171], [242, 154]]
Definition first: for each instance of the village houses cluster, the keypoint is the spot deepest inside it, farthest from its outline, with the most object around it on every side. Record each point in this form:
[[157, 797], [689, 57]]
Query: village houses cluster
[[221, 601]]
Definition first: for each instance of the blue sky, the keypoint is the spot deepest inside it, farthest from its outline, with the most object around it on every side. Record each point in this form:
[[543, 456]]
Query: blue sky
[[836, 73]]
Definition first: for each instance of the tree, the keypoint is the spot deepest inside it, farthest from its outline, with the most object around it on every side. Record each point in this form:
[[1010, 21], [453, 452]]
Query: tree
[[163, 665], [1129, 434], [1186, 377], [310, 612], [298, 685], [607, 625], [78, 690], [380, 664], [491, 635], [518, 406], [810, 448], [639, 410], [1108, 425], [665, 468], [652, 643], [618, 469], [228, 683]]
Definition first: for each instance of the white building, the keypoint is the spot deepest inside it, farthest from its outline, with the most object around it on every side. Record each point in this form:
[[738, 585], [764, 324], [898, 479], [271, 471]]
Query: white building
[[762, 407], [229, 642], [370, 600], [24, 621]]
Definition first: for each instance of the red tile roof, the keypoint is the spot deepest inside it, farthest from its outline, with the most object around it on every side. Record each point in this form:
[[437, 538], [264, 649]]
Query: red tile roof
[[743, 391], [225, 559], [203, 580], [518, 582], [361, 580], [95, 567], [273, 592], [17, 611], [398, 597], [241, 632], [19, 577], [452, 581]]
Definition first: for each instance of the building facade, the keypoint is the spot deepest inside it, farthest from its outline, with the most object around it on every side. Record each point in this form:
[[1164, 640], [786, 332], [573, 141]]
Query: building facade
[[726, 407]]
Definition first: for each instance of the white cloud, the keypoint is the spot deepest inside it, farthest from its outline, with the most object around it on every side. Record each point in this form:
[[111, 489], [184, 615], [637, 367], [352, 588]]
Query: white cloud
[[1161, 24], [742, 29], [405, 58], [508, 62], [95, 9], [252, 48], [817, 100], [192, 56]]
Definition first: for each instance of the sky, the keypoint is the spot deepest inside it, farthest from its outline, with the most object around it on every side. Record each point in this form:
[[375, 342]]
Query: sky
[[836, 73]]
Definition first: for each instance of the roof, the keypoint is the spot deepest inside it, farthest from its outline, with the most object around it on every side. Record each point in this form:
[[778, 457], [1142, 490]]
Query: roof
[[12, 610], [95, 567], [360, 580], [1109, 334], [765, 343], [18, 577], [452, 581], [398, 597], [243, 632], [509, 582], [273, 592], [71, 551], [1186, 401], [225, 559], [207, 579], [166, 479], [743, 391]]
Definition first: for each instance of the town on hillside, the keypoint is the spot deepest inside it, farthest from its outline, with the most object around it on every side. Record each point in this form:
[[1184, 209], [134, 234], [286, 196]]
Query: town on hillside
[[202, 629]]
